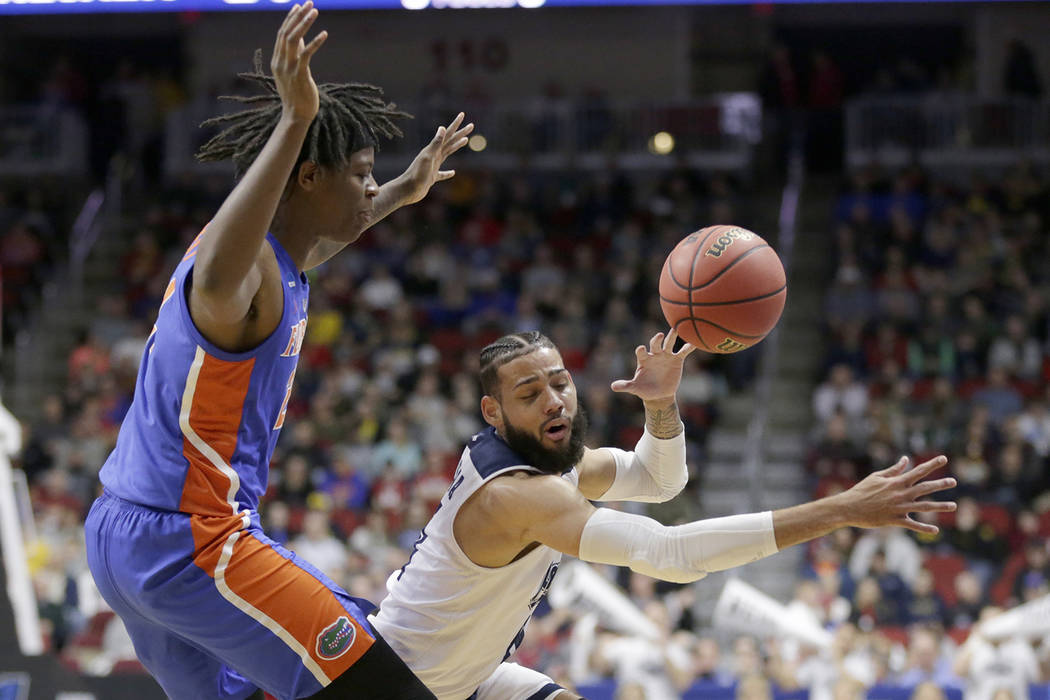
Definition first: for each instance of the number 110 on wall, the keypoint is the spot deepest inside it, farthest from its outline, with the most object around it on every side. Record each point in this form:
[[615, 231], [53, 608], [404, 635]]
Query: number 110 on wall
[[470, 54]]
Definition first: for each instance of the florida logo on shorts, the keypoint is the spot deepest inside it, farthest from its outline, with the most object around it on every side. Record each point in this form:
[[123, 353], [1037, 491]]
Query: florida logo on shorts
[[336, 638]]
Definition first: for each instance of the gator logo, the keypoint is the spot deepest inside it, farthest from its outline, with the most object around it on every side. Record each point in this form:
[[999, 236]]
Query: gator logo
[[726, 240], [336, 638]]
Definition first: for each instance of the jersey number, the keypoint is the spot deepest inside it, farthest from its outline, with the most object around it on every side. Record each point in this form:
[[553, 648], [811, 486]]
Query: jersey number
[[284, 405]]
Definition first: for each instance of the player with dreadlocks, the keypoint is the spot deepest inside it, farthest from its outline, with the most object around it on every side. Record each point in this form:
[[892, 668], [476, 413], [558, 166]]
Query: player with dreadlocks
[[215, 608]]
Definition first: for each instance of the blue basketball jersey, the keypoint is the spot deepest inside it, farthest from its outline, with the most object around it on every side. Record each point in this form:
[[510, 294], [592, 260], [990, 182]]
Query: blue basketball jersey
[[204, 422]]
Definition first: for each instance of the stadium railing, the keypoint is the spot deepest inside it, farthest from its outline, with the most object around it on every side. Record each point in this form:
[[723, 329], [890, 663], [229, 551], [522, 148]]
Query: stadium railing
[[716, 133], [945, 131]]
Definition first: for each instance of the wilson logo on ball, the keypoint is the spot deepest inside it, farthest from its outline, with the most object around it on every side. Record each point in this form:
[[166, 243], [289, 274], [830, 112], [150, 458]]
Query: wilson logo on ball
[[726, 240], [730, 345]]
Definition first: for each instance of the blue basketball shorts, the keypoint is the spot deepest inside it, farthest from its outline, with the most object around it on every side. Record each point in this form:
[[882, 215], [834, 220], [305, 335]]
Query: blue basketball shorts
[[216, 608]]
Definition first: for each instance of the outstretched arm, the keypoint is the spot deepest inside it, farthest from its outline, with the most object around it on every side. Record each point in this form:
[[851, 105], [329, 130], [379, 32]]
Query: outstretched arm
[[410, 186], [656, 470], [549, 510], [226, 275]]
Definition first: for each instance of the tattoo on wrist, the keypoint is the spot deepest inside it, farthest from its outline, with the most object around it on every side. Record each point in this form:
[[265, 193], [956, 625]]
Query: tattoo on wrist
[[663, 422]]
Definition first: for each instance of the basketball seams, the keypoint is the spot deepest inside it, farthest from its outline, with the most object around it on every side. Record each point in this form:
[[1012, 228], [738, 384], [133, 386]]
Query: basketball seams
[[694, 319], [723, 303], [670, 268], [689, 291], [698, 336], [742, 283], [728, 267]]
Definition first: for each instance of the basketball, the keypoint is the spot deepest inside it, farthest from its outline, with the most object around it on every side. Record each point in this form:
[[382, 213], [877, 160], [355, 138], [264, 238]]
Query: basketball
[[723, 289]]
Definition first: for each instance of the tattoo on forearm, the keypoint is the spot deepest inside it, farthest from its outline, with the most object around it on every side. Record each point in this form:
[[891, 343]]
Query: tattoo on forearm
[[663, 422]]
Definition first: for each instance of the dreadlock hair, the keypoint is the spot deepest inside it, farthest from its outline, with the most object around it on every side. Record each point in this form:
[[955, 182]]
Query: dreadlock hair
[[500, 352], [351, 116]]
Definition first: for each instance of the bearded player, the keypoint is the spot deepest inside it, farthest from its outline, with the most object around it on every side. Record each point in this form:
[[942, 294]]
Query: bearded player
[[520, 498]]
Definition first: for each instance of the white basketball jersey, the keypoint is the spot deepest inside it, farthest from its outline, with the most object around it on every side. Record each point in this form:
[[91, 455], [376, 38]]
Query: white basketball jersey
[[453, 622]]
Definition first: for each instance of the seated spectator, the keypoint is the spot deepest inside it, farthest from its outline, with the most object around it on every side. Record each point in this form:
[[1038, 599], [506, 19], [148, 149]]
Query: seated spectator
[[998, 396], [928, 661], [1032, 579], [1034, 425], [1016, 351], [992, 665], [319, 546], [971, 598], [925, 605], [840, 393], [398, 450], [977, 541], [900, 554], [707, 662], [344, 484], [296, 482]]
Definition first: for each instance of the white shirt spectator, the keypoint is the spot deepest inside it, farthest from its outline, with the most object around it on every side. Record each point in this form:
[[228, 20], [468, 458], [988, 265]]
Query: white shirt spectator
[[1011, 665], [840, 393], [645, 662], [902, 554]]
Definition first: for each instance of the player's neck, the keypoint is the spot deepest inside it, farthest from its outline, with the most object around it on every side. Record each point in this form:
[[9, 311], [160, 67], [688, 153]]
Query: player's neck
[[297, 245]]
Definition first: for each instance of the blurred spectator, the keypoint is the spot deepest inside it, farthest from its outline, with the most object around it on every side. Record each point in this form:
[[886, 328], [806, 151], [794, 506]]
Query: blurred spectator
[[1019, 72], [318, 546], [840, 392], [899, 553], [928, 661], [925, 605], [991, 666]]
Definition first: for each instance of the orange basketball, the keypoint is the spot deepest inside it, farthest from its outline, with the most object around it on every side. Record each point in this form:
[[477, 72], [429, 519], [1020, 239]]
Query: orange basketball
[[723, 288]]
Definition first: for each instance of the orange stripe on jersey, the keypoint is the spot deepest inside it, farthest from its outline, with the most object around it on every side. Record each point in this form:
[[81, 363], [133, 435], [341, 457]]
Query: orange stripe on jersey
[[210, 419], [193, 246], [279, 590]]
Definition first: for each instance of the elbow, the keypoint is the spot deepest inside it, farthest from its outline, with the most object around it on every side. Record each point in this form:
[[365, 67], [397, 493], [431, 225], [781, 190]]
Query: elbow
[[670, 489]]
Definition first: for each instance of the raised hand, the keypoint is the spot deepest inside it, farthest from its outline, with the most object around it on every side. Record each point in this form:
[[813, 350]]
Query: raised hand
[[425, 170], [659, 369], [886, 497], [291, 63]]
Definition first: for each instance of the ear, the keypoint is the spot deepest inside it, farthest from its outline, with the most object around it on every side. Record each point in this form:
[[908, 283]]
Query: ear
[[492, 412], [308, 175]]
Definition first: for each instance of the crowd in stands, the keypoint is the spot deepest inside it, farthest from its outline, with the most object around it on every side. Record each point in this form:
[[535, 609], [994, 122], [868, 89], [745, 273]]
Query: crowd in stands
[[386, 390], [937, 324], [937, 343]]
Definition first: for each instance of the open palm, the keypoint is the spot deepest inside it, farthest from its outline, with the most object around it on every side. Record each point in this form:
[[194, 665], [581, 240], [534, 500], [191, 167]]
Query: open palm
[[659, 370]]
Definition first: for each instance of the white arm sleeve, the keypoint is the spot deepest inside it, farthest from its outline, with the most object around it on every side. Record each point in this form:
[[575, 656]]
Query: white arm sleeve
[[655, 472], [682, 553]]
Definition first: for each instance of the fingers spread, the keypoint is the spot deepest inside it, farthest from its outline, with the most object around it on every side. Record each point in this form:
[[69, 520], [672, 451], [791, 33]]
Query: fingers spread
[[672, 336], [655, 342], [926, 467], [926, 528], [300, 28], [925, 488], [314, 44], [932, 507], [686, 350], [640, 353]]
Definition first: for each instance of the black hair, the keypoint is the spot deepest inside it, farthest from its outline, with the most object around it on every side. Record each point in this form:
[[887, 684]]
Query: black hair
[[500, 352], [351, 116]]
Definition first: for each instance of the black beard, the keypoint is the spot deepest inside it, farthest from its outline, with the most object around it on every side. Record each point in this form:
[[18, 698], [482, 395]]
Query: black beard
[[549, 460]]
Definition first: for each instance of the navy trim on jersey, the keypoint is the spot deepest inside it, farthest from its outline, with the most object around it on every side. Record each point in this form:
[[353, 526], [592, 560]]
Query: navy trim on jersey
[[544, 692], [490, 455]]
